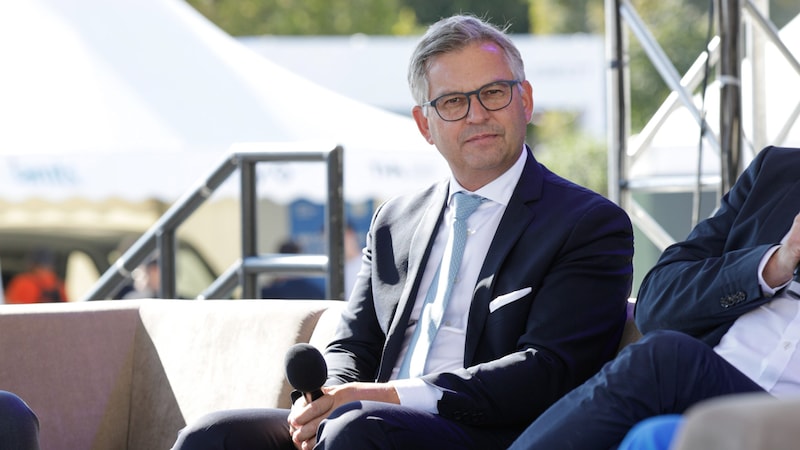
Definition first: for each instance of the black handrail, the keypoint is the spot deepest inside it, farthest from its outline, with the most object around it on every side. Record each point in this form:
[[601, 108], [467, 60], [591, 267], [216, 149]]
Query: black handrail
[[243, 157]]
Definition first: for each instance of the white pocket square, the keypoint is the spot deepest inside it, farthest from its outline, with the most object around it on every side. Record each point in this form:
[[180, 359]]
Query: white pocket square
[[505, 299]]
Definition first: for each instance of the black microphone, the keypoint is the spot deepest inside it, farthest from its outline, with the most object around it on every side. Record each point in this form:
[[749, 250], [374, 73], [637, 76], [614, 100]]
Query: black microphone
[[793, 289], [306, 370]]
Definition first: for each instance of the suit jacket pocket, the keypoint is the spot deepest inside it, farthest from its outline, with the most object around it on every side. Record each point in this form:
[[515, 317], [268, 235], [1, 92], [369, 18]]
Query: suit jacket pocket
[[505, 299]]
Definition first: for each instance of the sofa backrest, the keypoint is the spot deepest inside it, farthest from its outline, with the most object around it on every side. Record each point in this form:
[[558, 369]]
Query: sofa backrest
[[129, 374], [73, 364], [110, 375]]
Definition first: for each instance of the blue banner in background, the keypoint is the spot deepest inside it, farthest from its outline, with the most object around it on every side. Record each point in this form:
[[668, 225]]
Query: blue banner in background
[[307, 223]]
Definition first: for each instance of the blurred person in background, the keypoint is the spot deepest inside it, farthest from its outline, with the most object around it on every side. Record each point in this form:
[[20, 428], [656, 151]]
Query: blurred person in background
[[146, 281], [294, 287], [352, 259], [39, 284]]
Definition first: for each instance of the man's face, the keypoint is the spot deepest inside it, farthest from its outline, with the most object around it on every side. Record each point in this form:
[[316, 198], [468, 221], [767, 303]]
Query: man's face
[[484, 144]]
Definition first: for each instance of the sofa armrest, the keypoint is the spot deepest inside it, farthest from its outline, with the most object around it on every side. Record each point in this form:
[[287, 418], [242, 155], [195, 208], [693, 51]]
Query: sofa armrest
[[129, 374], [325, 328], [741, 422]]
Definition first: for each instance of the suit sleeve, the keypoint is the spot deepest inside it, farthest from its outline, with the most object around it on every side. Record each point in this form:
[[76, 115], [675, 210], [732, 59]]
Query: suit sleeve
[[711, 278]]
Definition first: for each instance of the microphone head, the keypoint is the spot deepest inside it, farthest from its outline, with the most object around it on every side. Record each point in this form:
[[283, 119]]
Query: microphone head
[[306, 369]]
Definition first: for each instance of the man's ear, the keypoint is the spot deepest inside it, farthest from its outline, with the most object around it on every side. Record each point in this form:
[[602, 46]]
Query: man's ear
[[527, 99], [422, 123]]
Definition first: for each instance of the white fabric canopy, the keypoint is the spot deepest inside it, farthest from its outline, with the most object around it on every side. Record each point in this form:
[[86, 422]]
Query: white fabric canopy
[[140, 98]]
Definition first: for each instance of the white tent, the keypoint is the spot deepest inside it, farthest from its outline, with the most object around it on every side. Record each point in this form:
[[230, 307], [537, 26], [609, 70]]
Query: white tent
[[111, 110], [137, 99]]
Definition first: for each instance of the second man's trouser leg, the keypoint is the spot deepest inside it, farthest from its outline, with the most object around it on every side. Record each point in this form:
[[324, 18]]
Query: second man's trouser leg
[[665, 372]]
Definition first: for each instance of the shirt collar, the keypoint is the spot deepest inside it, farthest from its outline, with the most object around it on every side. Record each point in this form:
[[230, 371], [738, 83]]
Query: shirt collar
[[501, 188]]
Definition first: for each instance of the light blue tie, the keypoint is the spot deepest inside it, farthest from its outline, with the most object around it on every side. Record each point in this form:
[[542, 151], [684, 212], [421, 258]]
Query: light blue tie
[[439, 293]]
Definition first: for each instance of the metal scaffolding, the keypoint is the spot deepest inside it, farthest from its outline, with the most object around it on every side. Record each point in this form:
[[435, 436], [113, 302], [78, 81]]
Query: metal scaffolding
[[743, 31]]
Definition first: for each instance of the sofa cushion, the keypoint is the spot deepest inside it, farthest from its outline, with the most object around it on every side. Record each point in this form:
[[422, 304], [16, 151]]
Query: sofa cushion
[[196, 357], [741, 422]]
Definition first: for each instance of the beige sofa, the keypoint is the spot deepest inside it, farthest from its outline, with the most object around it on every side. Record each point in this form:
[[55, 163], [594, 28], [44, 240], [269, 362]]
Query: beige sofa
[[114, 375], [741, 422], [111, 375]]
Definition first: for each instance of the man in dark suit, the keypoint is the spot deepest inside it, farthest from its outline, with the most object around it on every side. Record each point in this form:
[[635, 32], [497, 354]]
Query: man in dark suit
[[718, 314], [19, 426], [538, 304]]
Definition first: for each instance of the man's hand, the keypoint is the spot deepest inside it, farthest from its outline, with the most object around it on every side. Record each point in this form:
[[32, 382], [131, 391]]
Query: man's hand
[[781, 265], [304, 419]]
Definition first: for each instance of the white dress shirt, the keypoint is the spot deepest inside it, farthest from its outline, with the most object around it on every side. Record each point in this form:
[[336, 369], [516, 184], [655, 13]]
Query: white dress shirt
[[763, 343], [447, 350]]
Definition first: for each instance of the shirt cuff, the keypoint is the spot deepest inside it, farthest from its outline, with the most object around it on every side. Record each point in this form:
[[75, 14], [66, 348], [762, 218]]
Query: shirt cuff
[[765, 288], [417, 394]]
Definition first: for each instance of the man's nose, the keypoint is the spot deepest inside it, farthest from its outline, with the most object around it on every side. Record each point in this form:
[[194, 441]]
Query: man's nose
[[476, 112]]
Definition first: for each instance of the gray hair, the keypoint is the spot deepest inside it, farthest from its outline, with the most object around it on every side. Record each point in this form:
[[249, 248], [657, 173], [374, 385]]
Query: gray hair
[[452, 34]]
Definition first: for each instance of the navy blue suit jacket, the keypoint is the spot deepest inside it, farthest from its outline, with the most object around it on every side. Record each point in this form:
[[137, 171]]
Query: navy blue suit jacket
[[573, 247], [702, 285]]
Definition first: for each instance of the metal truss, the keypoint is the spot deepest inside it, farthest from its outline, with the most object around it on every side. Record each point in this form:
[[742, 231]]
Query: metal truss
[[739, 22]]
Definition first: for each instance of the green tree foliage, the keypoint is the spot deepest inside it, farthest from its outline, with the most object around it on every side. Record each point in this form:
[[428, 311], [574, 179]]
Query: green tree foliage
[[566, 16], [680, 27], [782, 11], [308, 17], [559, 144], [511, 13]]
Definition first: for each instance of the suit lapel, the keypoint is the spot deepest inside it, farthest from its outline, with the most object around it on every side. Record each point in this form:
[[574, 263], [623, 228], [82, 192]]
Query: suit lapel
[[419, 250], [518, 215]]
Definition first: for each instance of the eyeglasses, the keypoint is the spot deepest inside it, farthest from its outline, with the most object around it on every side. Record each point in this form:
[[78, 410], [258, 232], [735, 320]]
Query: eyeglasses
[[493, 97]]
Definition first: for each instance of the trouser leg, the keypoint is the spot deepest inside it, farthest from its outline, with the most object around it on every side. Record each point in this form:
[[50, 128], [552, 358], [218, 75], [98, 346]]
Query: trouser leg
[[19, 426], [241, 429], [375, 425], [665, 372]]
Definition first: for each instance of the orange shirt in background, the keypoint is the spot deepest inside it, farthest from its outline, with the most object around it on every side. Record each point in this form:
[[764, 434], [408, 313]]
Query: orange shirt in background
[[36, 286]]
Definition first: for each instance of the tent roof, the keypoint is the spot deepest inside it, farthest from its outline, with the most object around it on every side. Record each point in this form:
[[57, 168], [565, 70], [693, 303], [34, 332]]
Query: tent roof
[[140, 98]]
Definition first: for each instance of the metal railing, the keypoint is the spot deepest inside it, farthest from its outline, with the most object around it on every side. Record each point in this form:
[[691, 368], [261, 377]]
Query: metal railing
[[161, 237]]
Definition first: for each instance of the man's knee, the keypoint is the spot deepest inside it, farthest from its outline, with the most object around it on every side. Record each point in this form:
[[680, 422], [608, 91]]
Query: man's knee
[[19, 426], [350, 416], [197, 435], [353, 425], [667, 343], [13, 408]]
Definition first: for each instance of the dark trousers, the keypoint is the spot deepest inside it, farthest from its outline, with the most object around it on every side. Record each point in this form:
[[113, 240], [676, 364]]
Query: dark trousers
[[665, 372], [19, 426], [354, 426]]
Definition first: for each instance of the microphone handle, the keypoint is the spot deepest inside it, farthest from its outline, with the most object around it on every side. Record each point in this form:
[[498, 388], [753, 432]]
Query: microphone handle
[[311, 396]]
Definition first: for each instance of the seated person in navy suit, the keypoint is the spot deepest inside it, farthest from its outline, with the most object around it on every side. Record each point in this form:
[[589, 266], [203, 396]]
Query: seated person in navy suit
[[720, 314], [294, 287], [535, 306]]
